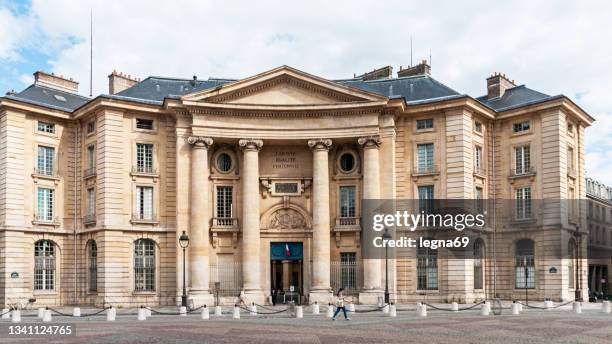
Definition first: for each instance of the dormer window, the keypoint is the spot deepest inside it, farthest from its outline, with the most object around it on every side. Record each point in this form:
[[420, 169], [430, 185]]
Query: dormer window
[[144, 124], [521, 127]]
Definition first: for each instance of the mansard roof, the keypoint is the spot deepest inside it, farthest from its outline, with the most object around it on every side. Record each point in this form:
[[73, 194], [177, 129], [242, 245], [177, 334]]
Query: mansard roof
[[50, 97], [418, 89], [515, 97]]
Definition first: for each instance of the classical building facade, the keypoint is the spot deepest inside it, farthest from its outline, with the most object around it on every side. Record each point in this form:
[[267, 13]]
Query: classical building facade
[[599, 219], [267, 176]]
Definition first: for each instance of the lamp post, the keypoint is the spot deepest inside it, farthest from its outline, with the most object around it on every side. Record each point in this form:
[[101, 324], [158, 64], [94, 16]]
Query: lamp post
[[387, 236], [184, 242], [577, 291]]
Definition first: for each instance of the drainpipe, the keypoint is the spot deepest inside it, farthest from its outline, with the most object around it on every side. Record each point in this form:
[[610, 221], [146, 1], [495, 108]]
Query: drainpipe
[[75, 217]]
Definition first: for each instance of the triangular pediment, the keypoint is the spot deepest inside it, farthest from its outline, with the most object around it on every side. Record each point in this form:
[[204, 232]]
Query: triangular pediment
[[283, 86]]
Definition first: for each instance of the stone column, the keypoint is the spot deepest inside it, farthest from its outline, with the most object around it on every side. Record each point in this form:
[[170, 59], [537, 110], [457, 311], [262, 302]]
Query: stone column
[[320, 290], [371, 190], [199, 221], [251, 248]]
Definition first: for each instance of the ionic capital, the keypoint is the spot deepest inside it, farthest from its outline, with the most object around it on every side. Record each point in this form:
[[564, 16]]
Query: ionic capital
[[320, 144], [369, 141], [250, 144], [200, 141]]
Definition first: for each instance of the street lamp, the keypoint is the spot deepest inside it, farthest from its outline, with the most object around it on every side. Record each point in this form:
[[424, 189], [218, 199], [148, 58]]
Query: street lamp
[[387, 236], [577, 291], [184, 242]]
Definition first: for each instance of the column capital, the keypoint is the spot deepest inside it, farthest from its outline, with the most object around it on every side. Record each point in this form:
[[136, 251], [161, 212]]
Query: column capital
[[369, 141], [200, 141], [320, 144], [250, 144]]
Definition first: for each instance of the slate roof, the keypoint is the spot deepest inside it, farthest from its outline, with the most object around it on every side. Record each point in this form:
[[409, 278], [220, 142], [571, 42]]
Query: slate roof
[[152, 90], [514, 97], [156, 88], [50, 97], [417, 88]]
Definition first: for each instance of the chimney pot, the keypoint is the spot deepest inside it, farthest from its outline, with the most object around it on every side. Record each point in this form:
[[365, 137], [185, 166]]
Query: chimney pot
[[56, 82], [420, 69], [497, 84], [119, 81]]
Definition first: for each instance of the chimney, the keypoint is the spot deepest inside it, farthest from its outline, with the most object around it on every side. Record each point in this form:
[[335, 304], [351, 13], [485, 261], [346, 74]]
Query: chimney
[[11, 93], [497, 84], [56, 82], [118, 82], [421, 69], [380, 73]]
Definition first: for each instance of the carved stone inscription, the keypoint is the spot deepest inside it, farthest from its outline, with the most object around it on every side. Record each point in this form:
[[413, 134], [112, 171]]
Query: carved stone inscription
[[285, 160]]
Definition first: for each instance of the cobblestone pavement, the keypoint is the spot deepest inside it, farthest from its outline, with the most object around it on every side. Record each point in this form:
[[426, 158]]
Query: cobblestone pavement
[[532, 326]]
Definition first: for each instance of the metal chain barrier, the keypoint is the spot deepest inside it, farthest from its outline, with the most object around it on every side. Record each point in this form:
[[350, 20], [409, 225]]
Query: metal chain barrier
[[450, 310], [538, 307], [268, 313]]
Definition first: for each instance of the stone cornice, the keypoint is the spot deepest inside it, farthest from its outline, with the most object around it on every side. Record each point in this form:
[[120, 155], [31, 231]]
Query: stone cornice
[[200, 141], [320, 144], [256, 110], [369, 141], [250, 144]]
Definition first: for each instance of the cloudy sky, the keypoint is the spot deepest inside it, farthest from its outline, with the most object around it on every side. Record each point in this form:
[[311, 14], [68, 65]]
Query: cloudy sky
[[552, 46]]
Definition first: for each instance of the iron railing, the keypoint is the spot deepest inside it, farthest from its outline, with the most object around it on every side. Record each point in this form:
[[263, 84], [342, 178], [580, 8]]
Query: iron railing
[[229, 277]]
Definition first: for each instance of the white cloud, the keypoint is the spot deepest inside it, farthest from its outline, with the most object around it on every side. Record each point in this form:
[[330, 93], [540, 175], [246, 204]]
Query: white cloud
[[552, 46]]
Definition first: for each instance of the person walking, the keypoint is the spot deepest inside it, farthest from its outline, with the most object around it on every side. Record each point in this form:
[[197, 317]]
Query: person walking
[[340, 304]]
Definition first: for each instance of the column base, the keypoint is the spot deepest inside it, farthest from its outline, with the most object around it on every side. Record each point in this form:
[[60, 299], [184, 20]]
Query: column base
[[255, 295], [322, 297], [371, 297], [199, 298]]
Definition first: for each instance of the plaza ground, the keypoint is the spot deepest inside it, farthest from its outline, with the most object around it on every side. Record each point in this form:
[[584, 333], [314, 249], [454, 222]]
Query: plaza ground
[[532, 326]]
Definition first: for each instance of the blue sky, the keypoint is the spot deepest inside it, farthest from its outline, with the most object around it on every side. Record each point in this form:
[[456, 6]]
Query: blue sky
[[551, 46]]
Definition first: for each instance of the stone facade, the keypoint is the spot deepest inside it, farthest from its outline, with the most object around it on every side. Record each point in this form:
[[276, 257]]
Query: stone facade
[[257, 163]]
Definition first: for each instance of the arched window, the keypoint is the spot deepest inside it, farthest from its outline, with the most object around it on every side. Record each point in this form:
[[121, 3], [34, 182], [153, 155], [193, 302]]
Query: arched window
[[144, 265], [478, 263], [92, 260], [427, 269], [524, 276], [571, 256], [44, 265]]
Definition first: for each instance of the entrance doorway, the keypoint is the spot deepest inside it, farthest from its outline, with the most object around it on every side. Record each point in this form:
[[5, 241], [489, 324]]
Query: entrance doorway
[[287, 271]]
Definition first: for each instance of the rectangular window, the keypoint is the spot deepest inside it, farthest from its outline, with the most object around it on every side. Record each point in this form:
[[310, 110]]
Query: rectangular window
[[424, 123], [523, 203], [91, 127], [570, 159], [427, 269], [522, 163], [144, 158], [224, 202], [145, 124], [425, 158], [46, 199], [144, 265], [348, 270], [570, 128], [426, 198], [521, 126], [525, 271], [477, 159], [91, 156], [144, 203], [347, 201], [44, 165], [91, 202], [44, 265], [478, 196], [478, 127], [46, 127]]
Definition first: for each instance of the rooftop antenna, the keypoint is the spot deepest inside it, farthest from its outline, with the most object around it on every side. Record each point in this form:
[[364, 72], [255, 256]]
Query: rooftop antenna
[[430, 63], [410, 51], [91, 52]]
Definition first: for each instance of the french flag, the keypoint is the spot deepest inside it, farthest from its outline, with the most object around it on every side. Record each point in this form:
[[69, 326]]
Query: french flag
[[287, 250]]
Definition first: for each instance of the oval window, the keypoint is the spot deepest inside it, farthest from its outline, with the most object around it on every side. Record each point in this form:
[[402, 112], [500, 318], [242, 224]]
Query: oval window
[[224, 162], [347, 162]]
